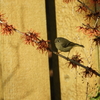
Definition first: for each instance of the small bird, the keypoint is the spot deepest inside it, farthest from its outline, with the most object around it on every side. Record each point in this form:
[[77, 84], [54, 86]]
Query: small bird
[[65, 45]]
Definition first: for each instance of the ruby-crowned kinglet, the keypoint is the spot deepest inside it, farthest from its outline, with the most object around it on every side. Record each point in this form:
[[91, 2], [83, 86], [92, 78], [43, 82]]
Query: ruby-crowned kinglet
[[65, 45]]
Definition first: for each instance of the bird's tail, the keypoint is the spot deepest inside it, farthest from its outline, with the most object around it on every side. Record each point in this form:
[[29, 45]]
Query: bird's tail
[[80, 45]]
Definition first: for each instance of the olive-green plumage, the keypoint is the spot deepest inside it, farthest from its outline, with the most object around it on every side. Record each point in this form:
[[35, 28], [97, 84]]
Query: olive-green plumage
[[65, 45]]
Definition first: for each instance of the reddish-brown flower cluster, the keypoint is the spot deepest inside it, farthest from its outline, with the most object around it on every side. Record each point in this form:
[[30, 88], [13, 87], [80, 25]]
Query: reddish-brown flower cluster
[[96, 14], [89, 72], [67, 1], [96, 40], [30, 37], [7, 29], [89, 16], [88, 30], [76, 58], [95, 1], [43, 45], [81, 8], [33, 38], [1, 17], [92, 16]]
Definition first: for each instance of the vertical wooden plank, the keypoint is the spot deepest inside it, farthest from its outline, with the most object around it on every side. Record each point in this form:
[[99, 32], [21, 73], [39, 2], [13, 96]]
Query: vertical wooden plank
[[53, 61], [25, 70]]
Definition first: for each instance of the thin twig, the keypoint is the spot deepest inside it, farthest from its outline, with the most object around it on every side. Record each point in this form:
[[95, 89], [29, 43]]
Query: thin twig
[[85, 6], [96, 21], [16, 30], [87, 90], [88, 26], [1, 21]]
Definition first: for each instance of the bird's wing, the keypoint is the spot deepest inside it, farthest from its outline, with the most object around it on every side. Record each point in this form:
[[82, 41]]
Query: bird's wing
[[68, 44]]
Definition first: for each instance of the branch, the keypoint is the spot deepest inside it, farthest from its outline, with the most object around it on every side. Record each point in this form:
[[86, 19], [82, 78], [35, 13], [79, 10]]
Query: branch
[[88, 26], [16, 30], [85, 6], [83, 66], [96, 21]]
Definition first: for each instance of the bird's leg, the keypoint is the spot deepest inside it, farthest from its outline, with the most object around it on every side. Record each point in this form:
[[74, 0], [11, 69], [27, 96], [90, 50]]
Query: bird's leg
[[68, 53], [59, 52]]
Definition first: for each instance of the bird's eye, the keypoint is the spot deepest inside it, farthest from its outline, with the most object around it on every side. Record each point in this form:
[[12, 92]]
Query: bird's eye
[[58, 41]]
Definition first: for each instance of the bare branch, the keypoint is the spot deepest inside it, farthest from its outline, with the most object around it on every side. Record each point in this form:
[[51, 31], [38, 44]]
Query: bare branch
[[85, 6]]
